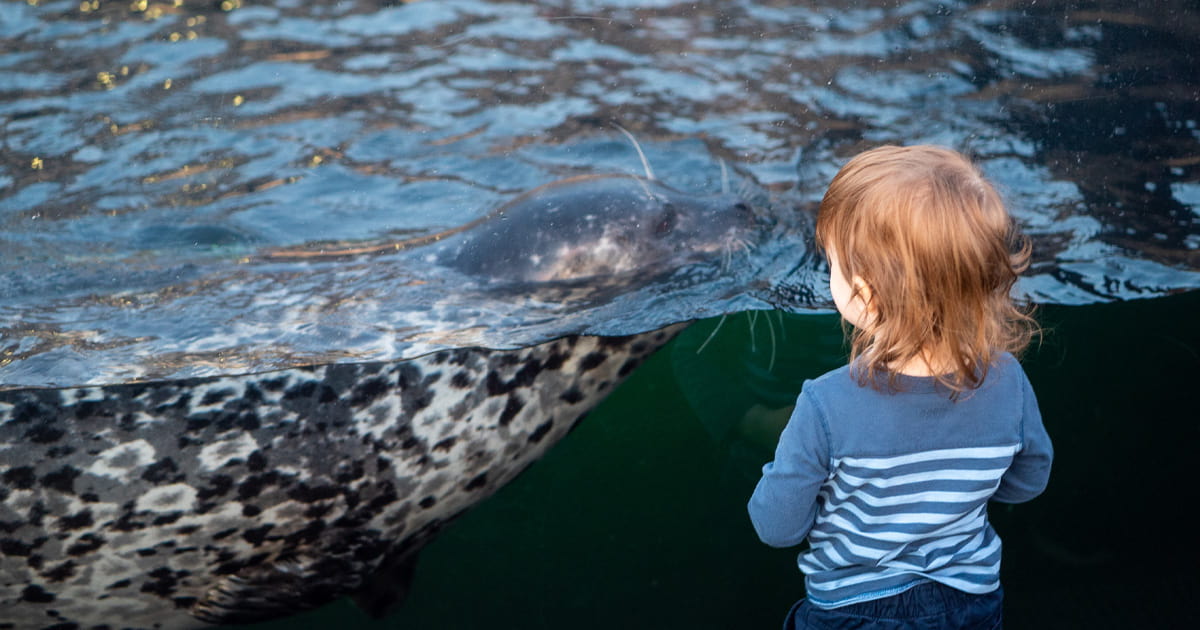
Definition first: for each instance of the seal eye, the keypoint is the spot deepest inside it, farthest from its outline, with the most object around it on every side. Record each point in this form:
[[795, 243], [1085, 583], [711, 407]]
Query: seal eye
[[666, 221]]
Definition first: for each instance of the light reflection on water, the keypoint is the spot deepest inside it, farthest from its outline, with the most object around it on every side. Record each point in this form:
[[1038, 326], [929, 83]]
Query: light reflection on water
[[154, 149]]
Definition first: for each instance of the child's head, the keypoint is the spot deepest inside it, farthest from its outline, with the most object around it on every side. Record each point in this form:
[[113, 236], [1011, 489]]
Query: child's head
[[928, 255]]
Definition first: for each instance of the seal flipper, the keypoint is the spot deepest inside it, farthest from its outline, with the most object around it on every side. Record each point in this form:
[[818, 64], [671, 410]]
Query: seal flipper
[[388, 587], [271, 590]]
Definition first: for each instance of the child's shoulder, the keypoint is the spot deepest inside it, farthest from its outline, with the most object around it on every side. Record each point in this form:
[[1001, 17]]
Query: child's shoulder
[[1006, 365], [834, 381]]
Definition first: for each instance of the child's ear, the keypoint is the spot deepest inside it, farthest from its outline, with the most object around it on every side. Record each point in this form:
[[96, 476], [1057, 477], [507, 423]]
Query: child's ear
[[863, 291]]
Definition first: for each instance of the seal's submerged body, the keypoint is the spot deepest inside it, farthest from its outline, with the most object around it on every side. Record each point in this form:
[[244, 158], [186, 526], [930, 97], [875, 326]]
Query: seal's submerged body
[[236, 499], [176, 502]]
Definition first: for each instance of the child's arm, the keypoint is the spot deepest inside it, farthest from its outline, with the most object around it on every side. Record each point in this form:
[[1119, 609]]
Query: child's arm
[[784, 504], [1030, 470]]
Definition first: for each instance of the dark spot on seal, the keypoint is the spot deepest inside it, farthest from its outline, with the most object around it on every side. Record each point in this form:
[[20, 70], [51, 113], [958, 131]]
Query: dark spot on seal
[[257, 535], [461, 380], [311, 494], [306, 535], [62, 479], [251, 487], [572, 395], [495, 386], [348, 473], [368, 392], [511, 409], [13, 547], [214, 397], [90, 409], [119, 584], [556, 360], [34, 593], [592, 360], [219, 485], [87, 543], [523, 378], [162, 471], [541, 431], [428, 502], [302, 390], [416, 393], [167, 519], [477, 482], [446, 444], [256, 461], [628, 366], [180, 405], [20, 477], [250, 511], [44, 434], [61, 572], [614, 343], [56, 452], [164, 582], [36, 513], [79, 520]]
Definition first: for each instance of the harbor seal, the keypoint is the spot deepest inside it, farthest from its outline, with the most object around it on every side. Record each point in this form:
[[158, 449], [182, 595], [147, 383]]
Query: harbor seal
[[243, 498], [631, 225], [235, 498]]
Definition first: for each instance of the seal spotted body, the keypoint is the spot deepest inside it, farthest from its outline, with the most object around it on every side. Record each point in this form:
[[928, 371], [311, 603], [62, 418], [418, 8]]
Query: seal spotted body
[[179, 502], [241, 498]]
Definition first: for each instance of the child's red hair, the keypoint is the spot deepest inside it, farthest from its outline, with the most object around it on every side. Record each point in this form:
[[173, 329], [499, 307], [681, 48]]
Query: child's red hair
[[939, 253]]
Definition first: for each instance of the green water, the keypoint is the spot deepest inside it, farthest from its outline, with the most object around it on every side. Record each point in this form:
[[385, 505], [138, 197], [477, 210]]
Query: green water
[[637, 519]]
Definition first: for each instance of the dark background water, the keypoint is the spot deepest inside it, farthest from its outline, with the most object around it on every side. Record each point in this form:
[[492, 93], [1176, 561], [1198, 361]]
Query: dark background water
[[161, 147], [637, 519]]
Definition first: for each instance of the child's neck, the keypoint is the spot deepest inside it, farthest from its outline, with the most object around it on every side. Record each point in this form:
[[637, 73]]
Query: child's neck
[[920, 366]]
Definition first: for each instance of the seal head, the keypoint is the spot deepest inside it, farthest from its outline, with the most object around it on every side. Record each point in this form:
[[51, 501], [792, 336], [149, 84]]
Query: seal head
[[592, 226]]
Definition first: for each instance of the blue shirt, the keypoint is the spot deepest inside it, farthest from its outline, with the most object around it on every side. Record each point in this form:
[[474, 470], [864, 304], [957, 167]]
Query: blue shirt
[[891, 488]]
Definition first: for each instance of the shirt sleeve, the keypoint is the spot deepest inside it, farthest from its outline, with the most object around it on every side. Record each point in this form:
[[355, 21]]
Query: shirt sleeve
[[1026, 478], [784, 504]]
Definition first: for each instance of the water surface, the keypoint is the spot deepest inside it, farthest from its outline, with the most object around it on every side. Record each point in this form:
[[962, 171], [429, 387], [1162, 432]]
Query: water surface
[[153, 151]]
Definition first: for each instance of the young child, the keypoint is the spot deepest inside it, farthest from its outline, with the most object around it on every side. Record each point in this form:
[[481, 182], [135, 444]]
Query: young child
[[887, 464]]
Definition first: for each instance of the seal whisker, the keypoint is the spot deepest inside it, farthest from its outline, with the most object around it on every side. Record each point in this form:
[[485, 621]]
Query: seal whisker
[[724, 176], [752, 317], [744, 245], [771, 331], [645, 162], [712, 334]]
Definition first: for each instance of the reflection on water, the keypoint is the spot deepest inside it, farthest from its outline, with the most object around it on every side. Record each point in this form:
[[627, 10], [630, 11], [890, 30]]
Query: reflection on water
[[152, 151]]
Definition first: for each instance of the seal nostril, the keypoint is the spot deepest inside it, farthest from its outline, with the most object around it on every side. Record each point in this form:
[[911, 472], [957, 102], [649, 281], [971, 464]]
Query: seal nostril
[[666, 221]]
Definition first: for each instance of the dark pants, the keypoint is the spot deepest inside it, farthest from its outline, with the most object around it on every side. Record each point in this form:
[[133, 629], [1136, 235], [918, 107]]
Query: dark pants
[[926, 606]]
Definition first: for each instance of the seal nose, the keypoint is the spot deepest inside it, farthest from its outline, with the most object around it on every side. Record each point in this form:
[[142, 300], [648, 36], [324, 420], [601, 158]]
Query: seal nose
[[747, 215]]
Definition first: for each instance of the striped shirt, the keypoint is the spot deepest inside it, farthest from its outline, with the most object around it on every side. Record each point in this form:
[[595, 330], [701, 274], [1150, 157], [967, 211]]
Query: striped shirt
[[891, 489]]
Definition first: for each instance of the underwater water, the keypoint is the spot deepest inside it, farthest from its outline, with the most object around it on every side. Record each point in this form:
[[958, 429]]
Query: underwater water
[[207, 187], [637, 519]]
